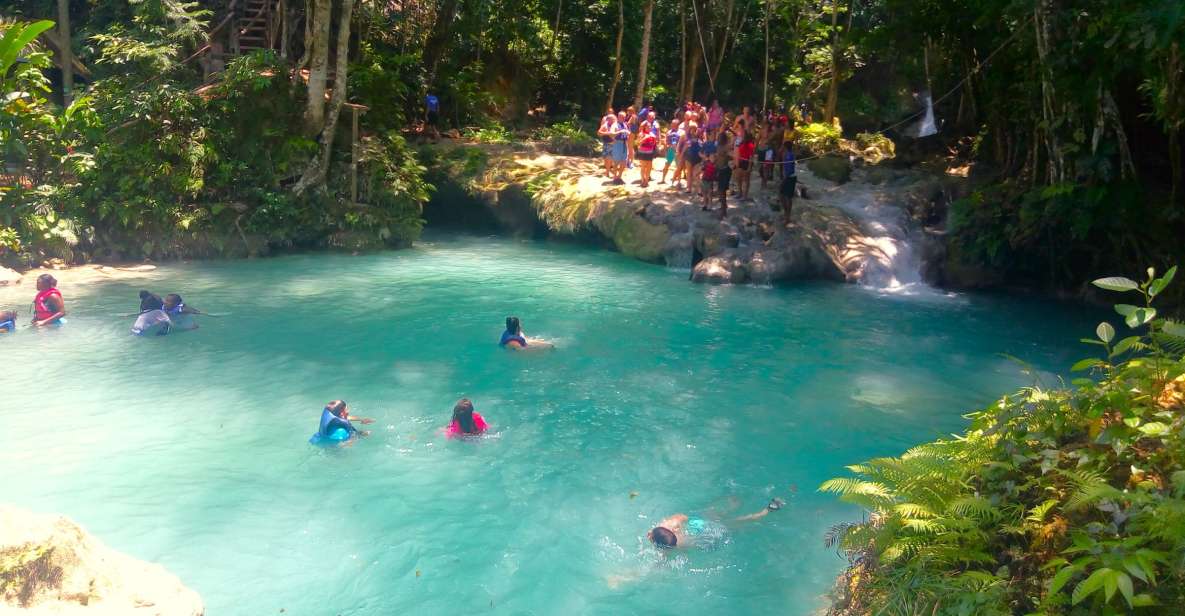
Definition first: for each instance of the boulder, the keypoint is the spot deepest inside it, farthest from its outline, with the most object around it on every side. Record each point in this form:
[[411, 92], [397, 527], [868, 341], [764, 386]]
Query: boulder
[[632, 234], [835, 168], [50, 565], [720, 269], [9, 277]]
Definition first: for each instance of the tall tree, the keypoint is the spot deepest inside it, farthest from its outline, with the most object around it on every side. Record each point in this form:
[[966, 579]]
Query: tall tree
[[437, 44], [833, 85], [617, 54], [318, 168], [318, 47], [645, 59], [66, 49]]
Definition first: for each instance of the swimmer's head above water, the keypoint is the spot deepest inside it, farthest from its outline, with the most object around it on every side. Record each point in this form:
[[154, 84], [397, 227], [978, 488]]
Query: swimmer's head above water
[[513, 325], [338, 407], [663, 537], [172, 300], [46, 282], [463, 415]]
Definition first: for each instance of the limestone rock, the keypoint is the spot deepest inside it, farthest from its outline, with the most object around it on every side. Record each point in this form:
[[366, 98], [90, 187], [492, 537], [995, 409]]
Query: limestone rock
[[9, 277], [834, 168], [632, 234], [720, 269], [50, 565]]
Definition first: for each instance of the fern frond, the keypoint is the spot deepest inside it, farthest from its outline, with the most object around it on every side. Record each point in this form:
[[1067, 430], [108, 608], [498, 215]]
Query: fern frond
[[976, 507]]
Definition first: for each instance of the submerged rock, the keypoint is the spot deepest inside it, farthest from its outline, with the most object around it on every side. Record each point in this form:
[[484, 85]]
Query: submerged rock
[[50, 565]]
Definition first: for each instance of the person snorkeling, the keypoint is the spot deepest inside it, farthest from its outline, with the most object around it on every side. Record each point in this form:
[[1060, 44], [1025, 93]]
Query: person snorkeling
[[683, 531], [337, 424], [466, 421], [514, 338], [48, 305]]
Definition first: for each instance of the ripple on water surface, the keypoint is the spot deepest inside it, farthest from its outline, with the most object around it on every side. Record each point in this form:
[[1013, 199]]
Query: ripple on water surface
[[191, 450]]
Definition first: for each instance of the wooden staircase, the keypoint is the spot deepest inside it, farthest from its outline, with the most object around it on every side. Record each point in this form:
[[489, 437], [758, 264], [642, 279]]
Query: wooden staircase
[[256, 26]]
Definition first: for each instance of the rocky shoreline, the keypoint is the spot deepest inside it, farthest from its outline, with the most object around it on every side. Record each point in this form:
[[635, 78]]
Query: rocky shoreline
[[527, 192], [50, 565]]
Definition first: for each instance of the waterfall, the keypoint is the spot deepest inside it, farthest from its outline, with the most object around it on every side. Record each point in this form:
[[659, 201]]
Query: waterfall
[[926, 126], [882, 256]]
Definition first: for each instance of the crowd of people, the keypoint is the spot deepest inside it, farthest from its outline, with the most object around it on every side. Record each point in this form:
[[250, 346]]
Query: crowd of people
[[707, 152]]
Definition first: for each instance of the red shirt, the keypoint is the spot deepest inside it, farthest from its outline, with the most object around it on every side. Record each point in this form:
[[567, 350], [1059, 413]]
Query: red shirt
[[745, 150]]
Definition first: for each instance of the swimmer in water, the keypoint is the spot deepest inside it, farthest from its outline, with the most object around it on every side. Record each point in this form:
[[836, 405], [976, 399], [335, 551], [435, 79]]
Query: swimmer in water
[[181, 314], [152, 317], [681, 531], [150, 301], [48, 306], [514, 338], [336, 416], [466, 421], [7, 321]]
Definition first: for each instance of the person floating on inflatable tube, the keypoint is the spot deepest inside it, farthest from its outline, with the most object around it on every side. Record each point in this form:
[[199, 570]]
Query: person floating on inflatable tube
[[466, 421], [152, 320], [181, 314], [514, 338], [7, 321], [336, 427], [48, 305]]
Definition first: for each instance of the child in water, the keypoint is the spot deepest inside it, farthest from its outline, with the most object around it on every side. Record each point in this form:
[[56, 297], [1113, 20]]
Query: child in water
[[514, 338], [7, 321], [336, 425], [181, 314], [466, 421]]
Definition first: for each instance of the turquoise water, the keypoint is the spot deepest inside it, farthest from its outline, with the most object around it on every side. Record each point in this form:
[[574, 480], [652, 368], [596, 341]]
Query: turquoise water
[[665, 397]]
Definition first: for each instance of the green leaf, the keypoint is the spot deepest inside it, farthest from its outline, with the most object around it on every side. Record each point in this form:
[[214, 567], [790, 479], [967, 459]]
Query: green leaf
[[1154, 428], [1116, 283], [1125, 345], [1105, 332], [1111, 584], [1086, 364], [1125, 587], [1087, 587], [1143, 600], [16, 38], [1159, 284], [1140, 317], [1126, 309], [1173, 328], [1059, 580]]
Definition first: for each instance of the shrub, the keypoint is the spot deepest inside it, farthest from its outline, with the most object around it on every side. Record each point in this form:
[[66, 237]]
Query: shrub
[[1055, 501], [567, 138], [819, 137]]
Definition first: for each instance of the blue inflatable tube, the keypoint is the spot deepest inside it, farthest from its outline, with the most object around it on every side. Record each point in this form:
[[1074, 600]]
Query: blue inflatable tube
[[337, 437]]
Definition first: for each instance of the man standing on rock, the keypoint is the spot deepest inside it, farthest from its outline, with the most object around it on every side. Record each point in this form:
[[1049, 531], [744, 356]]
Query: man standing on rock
[[605, 132], [789, 180]]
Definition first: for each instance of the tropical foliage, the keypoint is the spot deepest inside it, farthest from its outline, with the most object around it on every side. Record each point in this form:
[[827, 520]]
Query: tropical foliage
[[1066, 500]]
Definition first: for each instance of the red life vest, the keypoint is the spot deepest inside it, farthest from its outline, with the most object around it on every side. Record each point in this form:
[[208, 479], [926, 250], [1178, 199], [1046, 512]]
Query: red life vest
[[42, 312]]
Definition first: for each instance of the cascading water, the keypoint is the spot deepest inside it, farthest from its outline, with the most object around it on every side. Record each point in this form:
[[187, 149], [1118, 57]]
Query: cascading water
[[927, 125], [883, 257]]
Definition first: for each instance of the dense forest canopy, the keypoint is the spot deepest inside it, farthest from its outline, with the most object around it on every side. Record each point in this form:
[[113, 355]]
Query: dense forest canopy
[[1071, 111]]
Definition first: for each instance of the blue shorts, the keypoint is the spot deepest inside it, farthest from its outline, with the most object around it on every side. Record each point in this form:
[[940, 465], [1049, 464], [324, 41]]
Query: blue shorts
[[606, 149]]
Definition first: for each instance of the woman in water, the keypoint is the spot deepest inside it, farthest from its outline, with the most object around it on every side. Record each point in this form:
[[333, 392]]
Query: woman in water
[[336, 423], [48, 306], [514, 338], [466, 421]]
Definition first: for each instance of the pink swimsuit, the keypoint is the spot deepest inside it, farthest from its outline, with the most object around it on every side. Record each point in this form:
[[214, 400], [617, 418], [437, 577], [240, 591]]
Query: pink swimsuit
[[454, 429]]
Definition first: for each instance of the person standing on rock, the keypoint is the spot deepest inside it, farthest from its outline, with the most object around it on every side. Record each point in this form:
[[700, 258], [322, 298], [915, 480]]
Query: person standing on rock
[[723, 179], [605, 132], [674, 134], [621, 138], [432, 116], [789, 180], [745, 164], [647, 145]]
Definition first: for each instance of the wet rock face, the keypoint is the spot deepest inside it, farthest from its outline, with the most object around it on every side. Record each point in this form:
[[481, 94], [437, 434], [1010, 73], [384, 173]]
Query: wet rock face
[[834, 168], [50, 565]]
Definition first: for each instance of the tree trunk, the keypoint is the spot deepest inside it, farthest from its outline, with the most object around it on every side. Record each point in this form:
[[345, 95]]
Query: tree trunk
[[646, 24], [682, 45], [67, 60], [315, 173], [833, 87], [314, 116], [617, 54], [765, 75], [555, 31], [693, 63], [438, 41]]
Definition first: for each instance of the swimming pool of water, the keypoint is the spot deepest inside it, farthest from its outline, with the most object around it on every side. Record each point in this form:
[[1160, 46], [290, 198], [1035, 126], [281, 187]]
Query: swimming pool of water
[[191, 450]]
